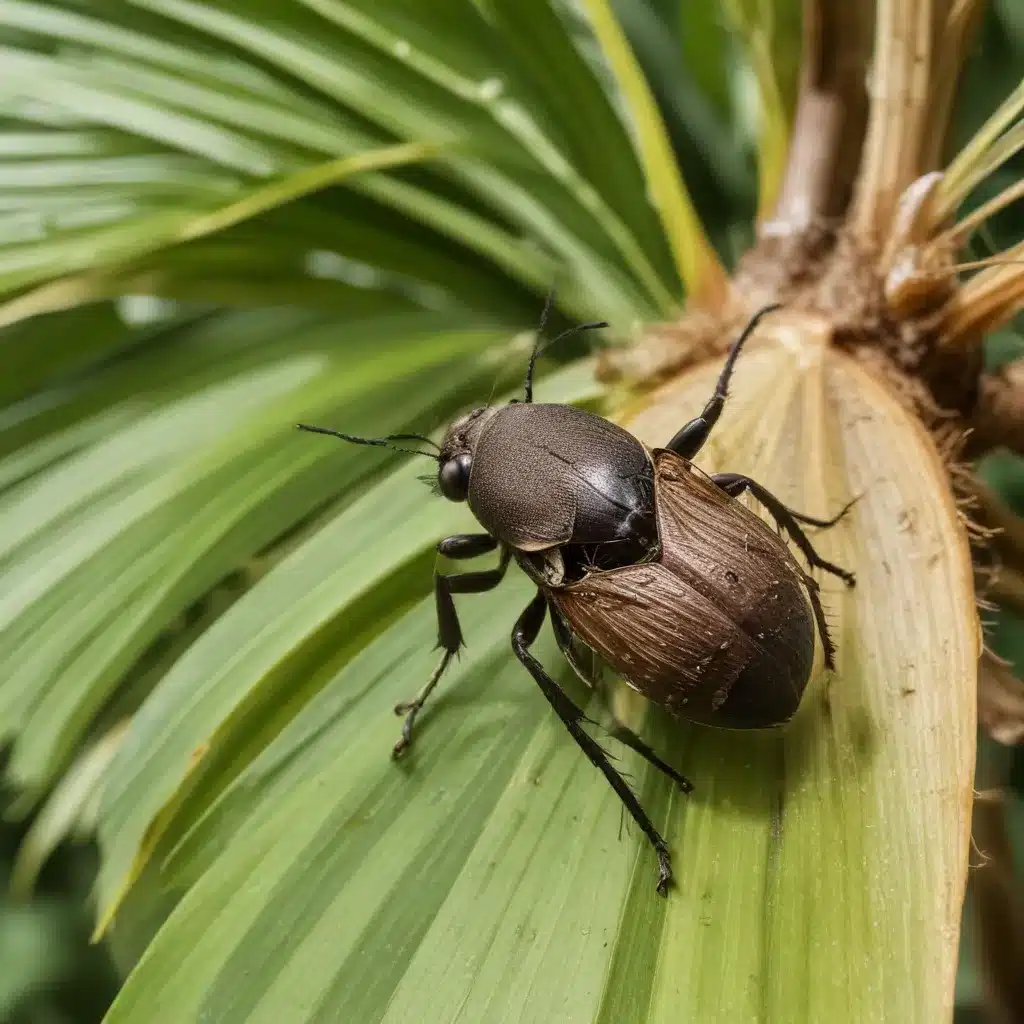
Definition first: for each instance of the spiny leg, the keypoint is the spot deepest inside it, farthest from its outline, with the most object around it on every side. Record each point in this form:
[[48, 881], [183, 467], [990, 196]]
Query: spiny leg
[[734, 484], [619, 730], [691, 438], [524, 634], [728, 480], [814, 594], [449, 632]]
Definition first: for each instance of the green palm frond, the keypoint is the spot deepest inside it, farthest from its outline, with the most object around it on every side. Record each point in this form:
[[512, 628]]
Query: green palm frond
[[165, 112]]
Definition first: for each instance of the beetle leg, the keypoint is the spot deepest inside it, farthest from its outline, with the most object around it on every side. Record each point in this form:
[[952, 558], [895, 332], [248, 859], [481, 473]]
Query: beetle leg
[[524, 634], [734, 484], [449, 632], [619, 730], [731, 480], [466, 545], [691, 438], [813, 592]]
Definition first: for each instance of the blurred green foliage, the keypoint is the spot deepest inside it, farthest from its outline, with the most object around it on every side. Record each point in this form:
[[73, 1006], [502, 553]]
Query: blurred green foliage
[[49, 973]]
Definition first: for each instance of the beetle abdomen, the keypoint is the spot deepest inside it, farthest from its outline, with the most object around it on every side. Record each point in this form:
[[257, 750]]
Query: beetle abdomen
[[718, 629]]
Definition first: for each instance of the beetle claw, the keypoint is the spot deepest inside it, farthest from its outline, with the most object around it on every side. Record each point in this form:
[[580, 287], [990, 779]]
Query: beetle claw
[[410, 709], [664, 872]]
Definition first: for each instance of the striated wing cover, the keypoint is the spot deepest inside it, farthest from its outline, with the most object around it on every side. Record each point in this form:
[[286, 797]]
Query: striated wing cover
[[718, 629]]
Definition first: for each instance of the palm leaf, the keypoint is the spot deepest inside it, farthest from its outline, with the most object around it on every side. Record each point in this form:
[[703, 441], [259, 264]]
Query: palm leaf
[[193, 482], [274, 93]]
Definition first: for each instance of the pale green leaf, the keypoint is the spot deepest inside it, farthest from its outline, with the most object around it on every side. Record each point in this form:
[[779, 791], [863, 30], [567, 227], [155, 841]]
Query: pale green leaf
[[180, 136], [151, 517], [70, 810]]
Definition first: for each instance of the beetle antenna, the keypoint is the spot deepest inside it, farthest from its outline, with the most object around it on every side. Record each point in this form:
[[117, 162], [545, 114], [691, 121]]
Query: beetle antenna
[[379, 442], [730, 362], [541, 345], [549, 301]]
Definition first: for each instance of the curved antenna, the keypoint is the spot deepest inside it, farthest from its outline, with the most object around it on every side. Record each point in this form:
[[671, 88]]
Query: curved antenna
[[378, 442], [544, 313], [747, 331], [541, 345]]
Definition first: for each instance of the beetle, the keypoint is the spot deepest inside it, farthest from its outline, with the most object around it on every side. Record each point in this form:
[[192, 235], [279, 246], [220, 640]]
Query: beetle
[[640, 559]]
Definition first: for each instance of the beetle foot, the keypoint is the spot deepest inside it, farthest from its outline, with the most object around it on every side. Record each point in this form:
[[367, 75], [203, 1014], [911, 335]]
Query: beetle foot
[[834, 570], [664, 872], [410, 709]]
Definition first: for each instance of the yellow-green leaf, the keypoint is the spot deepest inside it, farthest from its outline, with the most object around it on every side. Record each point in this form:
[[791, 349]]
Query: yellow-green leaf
[[698, 266]]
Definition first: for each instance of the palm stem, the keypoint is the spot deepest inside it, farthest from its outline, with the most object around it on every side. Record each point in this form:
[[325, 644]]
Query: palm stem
[[831, 115]]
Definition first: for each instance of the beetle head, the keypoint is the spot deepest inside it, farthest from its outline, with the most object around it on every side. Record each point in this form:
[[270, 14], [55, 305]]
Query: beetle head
[[457, 452], [455, 456]]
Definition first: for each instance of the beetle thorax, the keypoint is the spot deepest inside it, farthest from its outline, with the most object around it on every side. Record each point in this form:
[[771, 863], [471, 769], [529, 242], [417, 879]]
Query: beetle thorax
[[549, 475]]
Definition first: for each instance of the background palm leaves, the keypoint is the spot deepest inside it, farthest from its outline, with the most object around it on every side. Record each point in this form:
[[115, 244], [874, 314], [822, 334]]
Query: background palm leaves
[[347, 211]]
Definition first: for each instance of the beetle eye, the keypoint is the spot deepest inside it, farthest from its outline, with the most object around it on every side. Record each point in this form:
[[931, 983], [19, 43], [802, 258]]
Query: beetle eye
[[453, 477]]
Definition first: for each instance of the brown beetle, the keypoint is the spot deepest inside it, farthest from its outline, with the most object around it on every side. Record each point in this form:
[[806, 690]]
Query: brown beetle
[[643, 562]]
